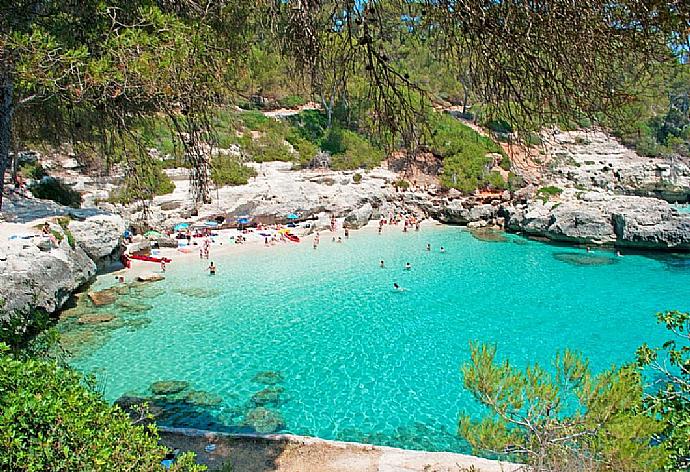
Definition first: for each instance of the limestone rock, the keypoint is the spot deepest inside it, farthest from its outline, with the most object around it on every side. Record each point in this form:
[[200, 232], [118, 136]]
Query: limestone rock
[[100, 237], [103, 297], [95, 319], [359, 217], [168, 387], [150, 277], [599, 218]]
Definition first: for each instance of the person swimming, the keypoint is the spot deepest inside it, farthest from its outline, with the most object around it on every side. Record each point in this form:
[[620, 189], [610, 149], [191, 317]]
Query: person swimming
[[212, 269], [408, 266], [398, 287], [428, 247], [443, 249], [381, 264]]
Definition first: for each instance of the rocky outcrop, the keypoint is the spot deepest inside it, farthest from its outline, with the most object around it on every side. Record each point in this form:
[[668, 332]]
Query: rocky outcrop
[[599, 218], [592, 159], [32, 278], [38, 271], [359, 217], [99, 236]]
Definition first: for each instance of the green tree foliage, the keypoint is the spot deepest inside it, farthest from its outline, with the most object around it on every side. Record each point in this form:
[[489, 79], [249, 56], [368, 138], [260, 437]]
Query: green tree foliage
[[228, 170], [144, 180], [349, 150], [670, 392], [563, 419], [466, 166], [51, 420]]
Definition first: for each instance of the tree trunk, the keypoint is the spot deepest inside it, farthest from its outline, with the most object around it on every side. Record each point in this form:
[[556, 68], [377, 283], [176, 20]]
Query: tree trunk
[[6, 89]]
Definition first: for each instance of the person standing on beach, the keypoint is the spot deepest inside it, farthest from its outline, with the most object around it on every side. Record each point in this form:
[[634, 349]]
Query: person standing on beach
[[212, 269], [347, 233], [162, 265]]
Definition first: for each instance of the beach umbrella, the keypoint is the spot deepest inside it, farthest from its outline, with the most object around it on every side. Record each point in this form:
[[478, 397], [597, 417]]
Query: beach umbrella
[[152, 234], [180, 226], [292, 216], [212, 224], [243, 220]]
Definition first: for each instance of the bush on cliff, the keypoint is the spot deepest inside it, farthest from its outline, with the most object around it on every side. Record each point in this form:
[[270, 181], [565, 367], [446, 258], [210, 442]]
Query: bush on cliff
[[51, 420], [227, 170]]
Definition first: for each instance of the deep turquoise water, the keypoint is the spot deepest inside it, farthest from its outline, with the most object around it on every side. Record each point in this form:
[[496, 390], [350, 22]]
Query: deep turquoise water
[[361, 361]]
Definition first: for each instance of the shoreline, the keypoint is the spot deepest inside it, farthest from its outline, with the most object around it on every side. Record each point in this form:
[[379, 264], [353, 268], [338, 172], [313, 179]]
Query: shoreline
[[254, 243], [290, 452]]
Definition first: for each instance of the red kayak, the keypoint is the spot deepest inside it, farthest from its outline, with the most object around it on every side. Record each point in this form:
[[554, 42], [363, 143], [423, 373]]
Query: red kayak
[[150, 258], [292, 237]]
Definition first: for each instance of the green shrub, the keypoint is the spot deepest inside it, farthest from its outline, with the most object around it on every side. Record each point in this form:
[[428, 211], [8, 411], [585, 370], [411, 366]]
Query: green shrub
[[533, 139], [495, 181], [305, 149], [51, 420], [254, 120], [350, 151], [292, 101], [357, 178], [464, 153], [499, 126], [144, 181], [227, 170], [63, 221], [648, 147], [50, 188], [547, 192], [310, 125], [401, 184], [505, 162], [515, 182], [32, 171]]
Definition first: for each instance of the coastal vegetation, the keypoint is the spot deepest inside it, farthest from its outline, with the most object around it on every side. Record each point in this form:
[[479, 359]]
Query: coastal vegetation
[[54, 419]]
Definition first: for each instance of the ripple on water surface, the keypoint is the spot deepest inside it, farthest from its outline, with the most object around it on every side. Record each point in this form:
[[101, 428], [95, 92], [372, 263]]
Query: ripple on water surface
[[317, 342]]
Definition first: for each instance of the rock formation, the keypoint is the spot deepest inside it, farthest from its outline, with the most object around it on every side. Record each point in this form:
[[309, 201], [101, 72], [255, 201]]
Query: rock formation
[[600, 218]]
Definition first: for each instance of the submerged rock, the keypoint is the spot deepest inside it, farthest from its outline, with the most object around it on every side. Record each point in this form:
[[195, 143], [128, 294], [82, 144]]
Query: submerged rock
[[103, 297], [578, 259], [201, 398], [269, 395], [168, 387], [268, 377], [198, 292], [488, 235], [133, 307], [264, 420], [95, 319], [150, 277]]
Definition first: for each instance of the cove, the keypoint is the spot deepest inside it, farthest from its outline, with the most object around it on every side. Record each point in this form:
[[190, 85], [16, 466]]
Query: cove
[[317, 342]]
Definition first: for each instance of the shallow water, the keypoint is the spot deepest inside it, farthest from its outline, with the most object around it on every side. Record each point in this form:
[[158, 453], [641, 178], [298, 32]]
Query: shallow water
[[360, 361]]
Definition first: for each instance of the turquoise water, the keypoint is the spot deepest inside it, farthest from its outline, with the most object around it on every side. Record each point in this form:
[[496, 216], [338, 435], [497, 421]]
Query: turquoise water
[[360, 361]]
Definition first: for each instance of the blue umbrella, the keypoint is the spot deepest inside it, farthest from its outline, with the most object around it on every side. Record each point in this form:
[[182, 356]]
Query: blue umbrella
[[243, 220], [213, 224], [293, 216], [180, 226]]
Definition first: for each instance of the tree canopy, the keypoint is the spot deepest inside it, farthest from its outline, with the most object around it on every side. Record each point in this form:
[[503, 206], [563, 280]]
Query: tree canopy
[[92, 70]]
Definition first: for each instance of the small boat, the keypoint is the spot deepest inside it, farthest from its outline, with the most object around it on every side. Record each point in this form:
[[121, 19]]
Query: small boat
[[150, 258], [292, 237]]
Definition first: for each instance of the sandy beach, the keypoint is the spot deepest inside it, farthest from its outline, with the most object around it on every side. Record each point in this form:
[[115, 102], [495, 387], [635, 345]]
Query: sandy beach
[[223, 245]]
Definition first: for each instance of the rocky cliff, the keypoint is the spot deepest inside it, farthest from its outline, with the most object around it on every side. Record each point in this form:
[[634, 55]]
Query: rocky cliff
[[40, 270], [600, 218]]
